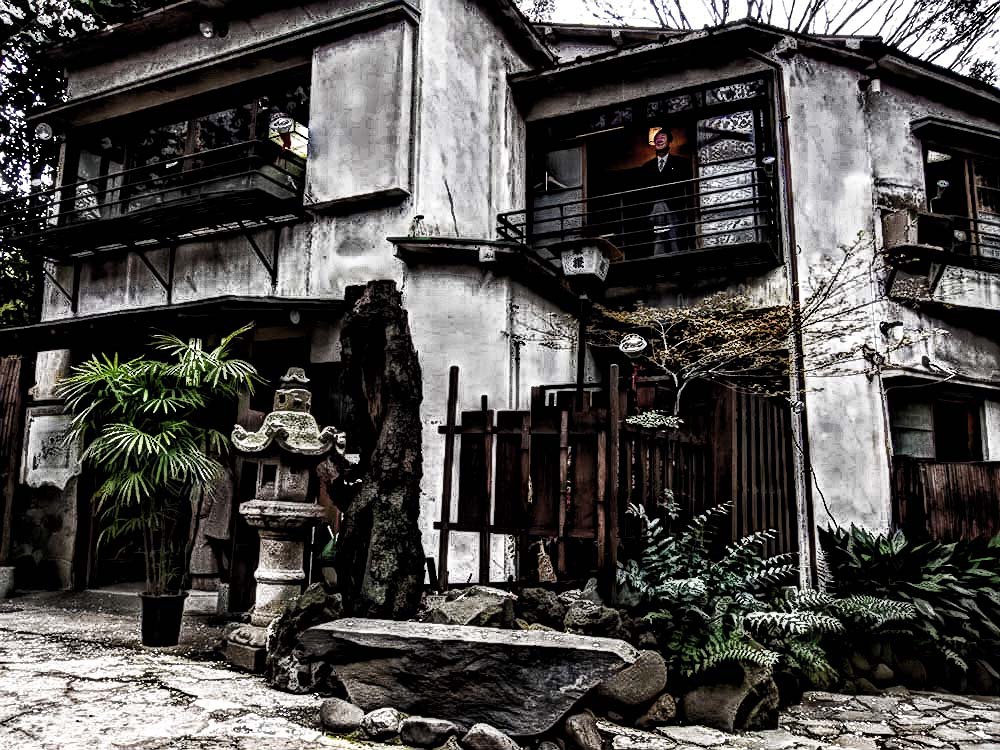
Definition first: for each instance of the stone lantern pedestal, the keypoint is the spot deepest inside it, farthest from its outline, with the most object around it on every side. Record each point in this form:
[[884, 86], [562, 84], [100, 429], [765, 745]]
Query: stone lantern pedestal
[[288, 447], [283, 528]]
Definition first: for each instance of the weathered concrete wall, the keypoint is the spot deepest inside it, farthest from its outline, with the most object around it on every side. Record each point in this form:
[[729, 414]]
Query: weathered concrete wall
[[853, 155], [464, 315], [472, 147], [193, 52], [361, 143], [461, 161]]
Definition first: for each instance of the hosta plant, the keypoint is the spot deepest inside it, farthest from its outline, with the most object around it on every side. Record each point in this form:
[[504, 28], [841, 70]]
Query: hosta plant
[[954, 588], [148, 436]]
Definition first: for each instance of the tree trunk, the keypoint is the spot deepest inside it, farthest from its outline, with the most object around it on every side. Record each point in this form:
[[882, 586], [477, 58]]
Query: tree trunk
[[380, 559]]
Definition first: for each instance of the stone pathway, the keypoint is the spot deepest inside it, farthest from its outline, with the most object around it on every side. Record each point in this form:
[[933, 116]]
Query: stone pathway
[[74, 679], [900, 721]]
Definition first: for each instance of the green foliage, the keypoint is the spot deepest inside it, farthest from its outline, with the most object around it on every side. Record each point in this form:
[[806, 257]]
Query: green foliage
[[145, 427], [954, 588], [737, 607]]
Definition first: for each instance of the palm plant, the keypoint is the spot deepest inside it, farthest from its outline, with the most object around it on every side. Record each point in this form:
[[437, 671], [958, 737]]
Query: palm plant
[[145, 426]]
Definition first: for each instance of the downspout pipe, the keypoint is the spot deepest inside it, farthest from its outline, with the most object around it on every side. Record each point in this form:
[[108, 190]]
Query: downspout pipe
[[801, 466]]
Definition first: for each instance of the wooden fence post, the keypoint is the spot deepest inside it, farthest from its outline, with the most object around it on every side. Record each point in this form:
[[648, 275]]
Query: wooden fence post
[[449, 461]]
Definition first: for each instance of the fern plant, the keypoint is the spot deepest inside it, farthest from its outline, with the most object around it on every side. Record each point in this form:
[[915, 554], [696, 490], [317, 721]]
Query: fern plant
[[738, 607], [145, 429]]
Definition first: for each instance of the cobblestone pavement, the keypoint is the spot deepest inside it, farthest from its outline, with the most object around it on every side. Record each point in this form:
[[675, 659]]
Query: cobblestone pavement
[[75, 681], [900, 721]]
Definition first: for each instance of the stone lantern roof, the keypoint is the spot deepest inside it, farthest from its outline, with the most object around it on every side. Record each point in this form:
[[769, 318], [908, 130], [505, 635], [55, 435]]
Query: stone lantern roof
[[290, 426]]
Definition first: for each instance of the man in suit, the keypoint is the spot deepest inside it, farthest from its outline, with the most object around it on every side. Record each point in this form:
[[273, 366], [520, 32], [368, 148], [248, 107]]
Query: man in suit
[[669, 195]]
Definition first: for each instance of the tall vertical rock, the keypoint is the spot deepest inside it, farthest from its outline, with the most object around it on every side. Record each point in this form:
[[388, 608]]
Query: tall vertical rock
[[380, 560]]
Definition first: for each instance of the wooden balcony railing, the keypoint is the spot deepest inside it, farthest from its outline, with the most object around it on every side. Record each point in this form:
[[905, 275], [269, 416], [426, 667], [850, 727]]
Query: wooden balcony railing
[[157, 202], [946, 500], [720, 221]]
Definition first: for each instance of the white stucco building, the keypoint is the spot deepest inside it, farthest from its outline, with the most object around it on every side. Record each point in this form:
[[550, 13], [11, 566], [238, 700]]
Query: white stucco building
[[304, 147]]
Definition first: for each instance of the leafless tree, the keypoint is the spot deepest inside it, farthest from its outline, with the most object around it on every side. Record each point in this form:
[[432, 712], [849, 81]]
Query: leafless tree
[[959, 34]]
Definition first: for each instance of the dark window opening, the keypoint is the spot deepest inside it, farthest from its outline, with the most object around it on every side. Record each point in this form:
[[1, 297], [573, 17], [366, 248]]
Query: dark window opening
[[939, 427]]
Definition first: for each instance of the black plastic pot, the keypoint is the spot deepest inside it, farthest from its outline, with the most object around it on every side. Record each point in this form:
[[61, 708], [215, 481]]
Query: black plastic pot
[[160, 620]]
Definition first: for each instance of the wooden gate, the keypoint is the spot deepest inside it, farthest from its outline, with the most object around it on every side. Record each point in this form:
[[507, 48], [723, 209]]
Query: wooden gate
[[564, 478]]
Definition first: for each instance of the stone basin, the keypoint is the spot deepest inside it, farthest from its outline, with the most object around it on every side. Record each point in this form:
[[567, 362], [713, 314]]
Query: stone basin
[[520, 681]]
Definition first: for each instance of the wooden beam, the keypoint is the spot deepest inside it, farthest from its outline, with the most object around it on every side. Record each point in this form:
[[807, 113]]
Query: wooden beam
[[449, 462]]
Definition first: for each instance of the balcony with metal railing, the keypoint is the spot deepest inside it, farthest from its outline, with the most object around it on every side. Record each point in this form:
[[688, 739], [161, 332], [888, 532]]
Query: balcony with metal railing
[[254, 183], [721, 223], [951, 262]]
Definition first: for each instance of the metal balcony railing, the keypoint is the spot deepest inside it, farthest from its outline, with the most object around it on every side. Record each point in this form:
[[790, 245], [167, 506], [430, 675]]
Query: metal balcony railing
[[916, 238], [704, 219], [157, 202]]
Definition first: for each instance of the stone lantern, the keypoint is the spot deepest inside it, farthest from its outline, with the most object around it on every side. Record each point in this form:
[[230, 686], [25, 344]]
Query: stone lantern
[[287, 448]]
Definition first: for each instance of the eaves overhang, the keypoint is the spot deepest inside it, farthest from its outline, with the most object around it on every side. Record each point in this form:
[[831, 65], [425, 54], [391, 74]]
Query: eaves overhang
[[179, 19], [103, 331], [274, 54], [692, 47]]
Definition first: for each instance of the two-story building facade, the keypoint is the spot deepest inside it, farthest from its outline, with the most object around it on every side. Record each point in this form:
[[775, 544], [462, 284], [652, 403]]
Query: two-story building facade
[[249, 162]]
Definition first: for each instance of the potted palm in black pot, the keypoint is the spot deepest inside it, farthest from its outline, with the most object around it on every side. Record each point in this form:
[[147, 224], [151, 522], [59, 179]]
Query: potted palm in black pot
[[147, 431]]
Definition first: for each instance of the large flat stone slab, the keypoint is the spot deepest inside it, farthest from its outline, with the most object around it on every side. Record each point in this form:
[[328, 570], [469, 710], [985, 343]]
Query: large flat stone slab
[[519, 681]]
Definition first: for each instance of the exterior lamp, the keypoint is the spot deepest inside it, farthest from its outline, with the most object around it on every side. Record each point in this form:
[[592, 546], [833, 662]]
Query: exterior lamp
[[44, 131], [632, 345], [282, 122], [768, 163], [589, 258], [585, 264], [211, 28], [892, 330]]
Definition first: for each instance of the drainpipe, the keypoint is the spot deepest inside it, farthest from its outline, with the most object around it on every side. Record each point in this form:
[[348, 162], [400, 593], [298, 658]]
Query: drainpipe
[[797, 391]]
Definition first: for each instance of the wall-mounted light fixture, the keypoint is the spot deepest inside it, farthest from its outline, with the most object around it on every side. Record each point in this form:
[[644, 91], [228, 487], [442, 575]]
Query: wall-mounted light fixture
[[892, 330], [632, 345], [213, 28], [46, 131], [768, 163]]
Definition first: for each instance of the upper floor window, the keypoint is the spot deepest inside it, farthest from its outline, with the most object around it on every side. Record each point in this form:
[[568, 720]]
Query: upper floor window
[[678, 172], [967, 187], [943, 427], [139, 162]]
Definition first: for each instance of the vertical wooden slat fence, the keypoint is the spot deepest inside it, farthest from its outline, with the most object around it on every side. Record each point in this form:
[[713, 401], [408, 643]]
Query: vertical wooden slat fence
[[11, 424], [565, 477], [946, 500]]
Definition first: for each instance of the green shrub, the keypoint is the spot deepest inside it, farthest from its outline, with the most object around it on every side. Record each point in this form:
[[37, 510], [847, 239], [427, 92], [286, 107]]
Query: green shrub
[[955, 588], [738, 607]]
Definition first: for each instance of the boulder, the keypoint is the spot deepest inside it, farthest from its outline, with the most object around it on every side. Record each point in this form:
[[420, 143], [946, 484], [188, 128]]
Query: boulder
[[480, 606], [282, 667], [751, 703], [382, 723], [540, 607], [638, 683], [485, 737], [340, 717], [912, 672], [521, 682], [585, 617], [882, 674], [423, 732], [663, 711], [626, 738], [581, 731]]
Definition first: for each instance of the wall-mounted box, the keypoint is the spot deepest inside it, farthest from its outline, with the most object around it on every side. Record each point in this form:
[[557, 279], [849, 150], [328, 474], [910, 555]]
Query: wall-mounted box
[[361, 118]]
